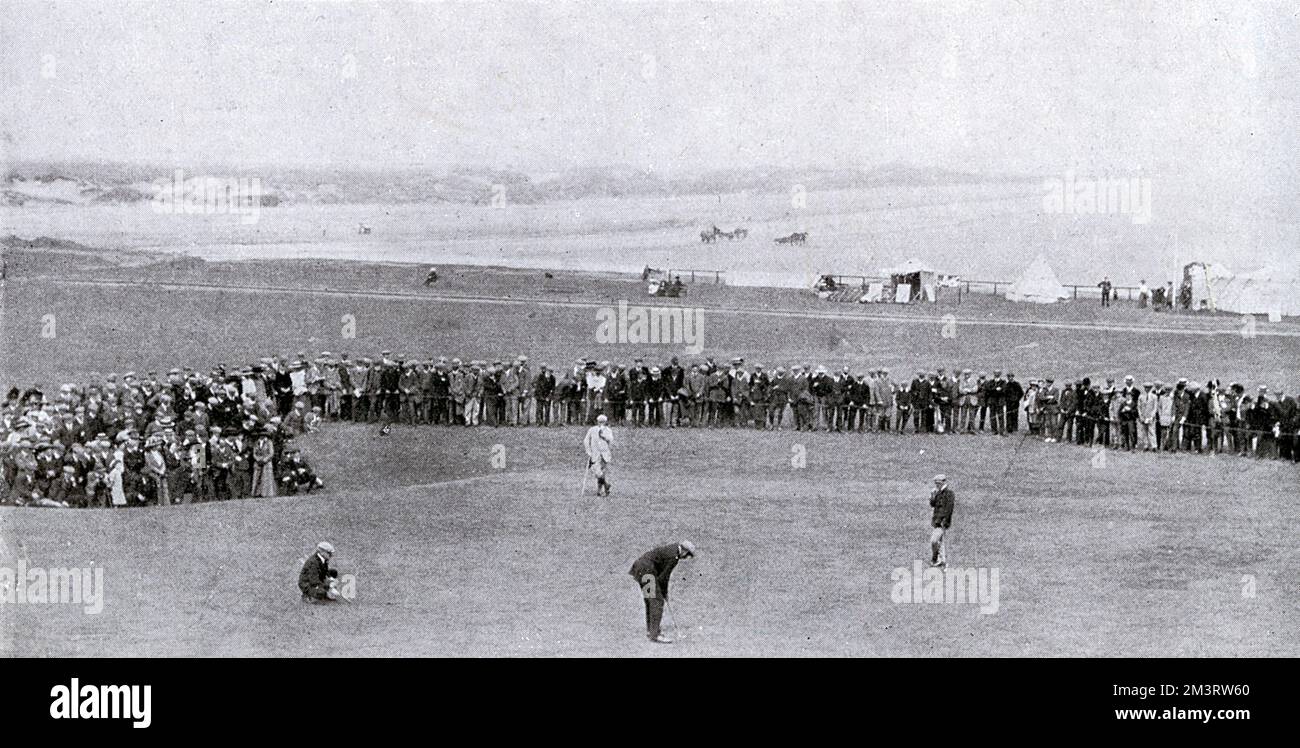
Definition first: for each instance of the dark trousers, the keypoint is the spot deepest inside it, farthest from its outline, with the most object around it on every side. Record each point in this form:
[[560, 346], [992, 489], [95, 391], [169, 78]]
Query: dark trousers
[[654, 605], [804, 416], [997, 414], [654, 616]]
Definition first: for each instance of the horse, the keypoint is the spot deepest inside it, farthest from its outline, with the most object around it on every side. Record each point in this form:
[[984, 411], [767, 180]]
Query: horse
[[710, 236], [795, 238]]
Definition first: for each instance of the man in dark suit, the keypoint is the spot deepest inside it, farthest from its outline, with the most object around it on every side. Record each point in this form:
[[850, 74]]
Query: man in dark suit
[[317, 580], [390, 382], [543, 391], [651, 572], [995, 391], [919, 398], [1012, 396], [942, 501], [282, 386], [675, 376], [1288, 418]]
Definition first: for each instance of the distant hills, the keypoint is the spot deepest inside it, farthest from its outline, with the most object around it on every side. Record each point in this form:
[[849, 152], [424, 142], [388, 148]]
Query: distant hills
[[93, 183]]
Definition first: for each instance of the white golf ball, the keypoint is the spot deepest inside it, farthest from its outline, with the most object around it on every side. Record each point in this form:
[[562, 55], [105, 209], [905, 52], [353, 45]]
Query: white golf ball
[[921, 452]]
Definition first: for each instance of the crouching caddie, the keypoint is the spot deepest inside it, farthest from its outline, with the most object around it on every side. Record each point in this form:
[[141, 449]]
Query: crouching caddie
[[318, 582]]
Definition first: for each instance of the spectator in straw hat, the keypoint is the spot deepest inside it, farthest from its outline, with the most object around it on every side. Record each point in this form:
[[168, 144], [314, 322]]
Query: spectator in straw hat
[[1147, 416]]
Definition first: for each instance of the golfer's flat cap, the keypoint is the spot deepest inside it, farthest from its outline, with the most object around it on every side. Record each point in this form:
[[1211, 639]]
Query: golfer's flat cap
[[326, 547], [940, 478], [602, 418], [688, 547]]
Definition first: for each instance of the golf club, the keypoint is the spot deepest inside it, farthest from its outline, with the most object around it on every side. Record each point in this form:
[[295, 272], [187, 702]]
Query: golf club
[[585, 472], [678, 631]]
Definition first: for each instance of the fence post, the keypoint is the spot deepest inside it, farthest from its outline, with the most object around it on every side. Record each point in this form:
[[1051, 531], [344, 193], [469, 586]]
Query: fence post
[[1076, 292]]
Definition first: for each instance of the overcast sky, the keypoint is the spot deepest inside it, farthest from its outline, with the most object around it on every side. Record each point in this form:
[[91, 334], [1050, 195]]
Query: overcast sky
[[1204, 93]]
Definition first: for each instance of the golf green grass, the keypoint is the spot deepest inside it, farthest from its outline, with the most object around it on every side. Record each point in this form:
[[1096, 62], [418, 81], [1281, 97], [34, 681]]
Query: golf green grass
[[1145, 555]]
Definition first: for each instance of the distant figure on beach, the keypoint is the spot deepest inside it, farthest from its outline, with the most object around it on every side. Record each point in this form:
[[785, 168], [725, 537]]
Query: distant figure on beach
[[1144, 294], [432, 277]]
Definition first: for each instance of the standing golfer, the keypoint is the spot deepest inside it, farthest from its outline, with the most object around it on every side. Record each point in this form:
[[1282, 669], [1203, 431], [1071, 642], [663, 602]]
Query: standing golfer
[[942, 500], [597, 442], [317, 580], [651, 573]]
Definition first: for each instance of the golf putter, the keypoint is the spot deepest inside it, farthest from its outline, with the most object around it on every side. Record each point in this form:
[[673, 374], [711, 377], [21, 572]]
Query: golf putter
[[586, 472]]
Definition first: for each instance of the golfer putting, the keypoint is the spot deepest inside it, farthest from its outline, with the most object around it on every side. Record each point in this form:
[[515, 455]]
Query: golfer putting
[[598, 444], [317, 581], [651, 572]]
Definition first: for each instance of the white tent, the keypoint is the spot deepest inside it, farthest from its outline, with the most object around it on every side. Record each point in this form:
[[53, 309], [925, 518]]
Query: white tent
[[1207, 280], [1037, 284], [1273, 290], [913, 281]]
